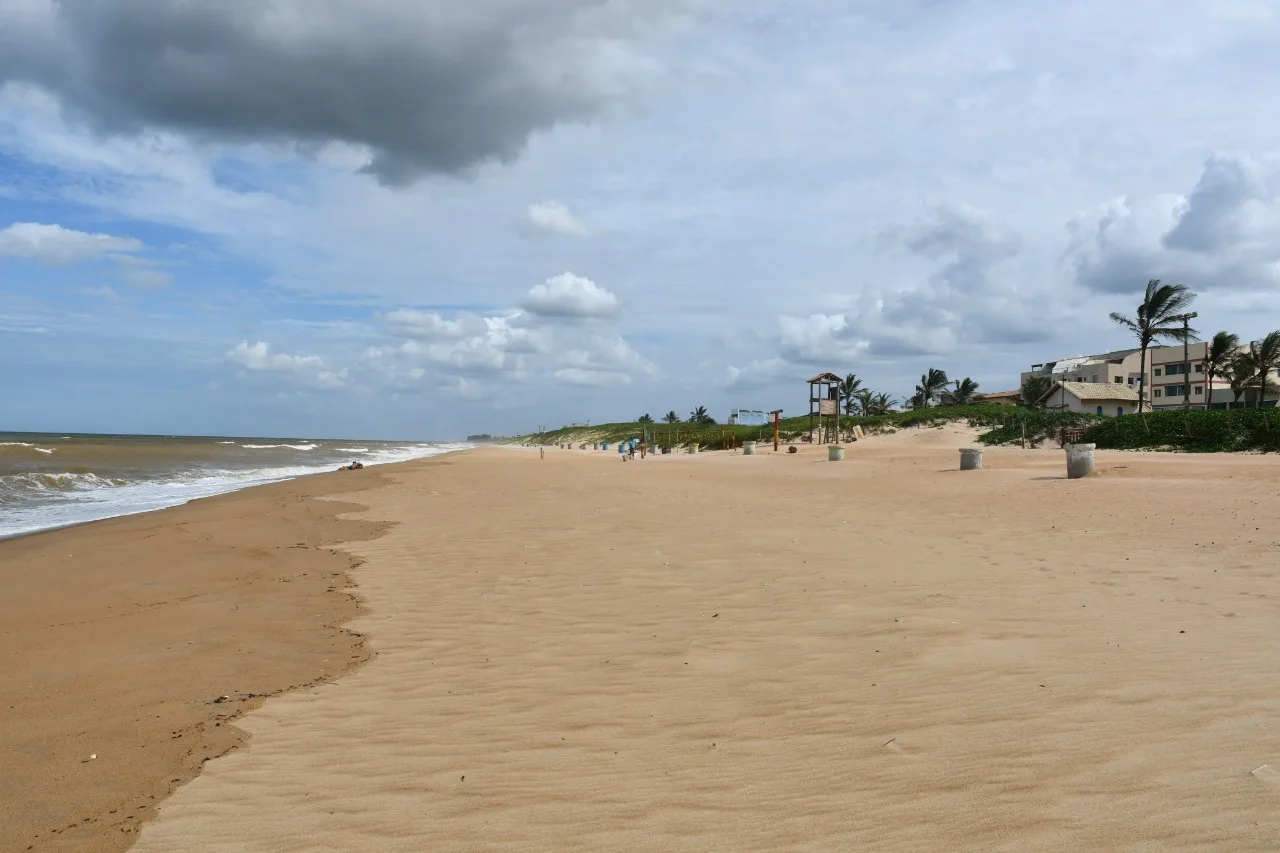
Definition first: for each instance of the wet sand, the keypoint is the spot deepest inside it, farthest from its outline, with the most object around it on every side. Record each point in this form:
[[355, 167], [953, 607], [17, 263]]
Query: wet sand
[[776, 652], [121, 638]]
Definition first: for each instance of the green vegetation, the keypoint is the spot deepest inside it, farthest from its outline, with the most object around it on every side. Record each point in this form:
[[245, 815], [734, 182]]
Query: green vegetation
[[1034, 390], [850, 391], [700, 415], [964, 394], [1005, 425], [931, 386], [1190, 430]]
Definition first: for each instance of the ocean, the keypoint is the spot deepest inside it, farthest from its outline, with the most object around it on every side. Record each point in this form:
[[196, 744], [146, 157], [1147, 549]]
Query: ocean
[[49, 481]]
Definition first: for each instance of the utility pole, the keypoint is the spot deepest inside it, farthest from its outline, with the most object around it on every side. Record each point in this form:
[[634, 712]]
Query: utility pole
[[1186, 360]]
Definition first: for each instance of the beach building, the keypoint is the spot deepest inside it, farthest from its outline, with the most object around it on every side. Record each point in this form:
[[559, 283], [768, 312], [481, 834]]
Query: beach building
[[749, 417], [1175, 377], [1003, 398], [1179, 379], [1094, 398], [1121, 367]]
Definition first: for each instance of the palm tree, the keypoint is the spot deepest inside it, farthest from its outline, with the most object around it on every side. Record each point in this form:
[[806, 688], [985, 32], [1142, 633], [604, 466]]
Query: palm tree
[[646, 418], [1034, 390], [865, 399], [932, 384], [1265, 355], [1217, 362], [1241, 374], [1158, 318], [671, 417], [964, 394], [881, 404], [700, 415], [849, 388]]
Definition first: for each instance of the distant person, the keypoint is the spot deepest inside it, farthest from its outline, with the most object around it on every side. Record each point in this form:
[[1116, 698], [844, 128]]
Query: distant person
[[542, 452]]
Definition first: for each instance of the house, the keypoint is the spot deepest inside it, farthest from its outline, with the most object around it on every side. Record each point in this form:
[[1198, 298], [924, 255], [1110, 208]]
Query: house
[[1003, 398], [1094, 398]]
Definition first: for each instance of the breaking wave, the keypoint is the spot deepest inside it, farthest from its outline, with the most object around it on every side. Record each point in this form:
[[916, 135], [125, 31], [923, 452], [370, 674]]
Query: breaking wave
[[41, 500]]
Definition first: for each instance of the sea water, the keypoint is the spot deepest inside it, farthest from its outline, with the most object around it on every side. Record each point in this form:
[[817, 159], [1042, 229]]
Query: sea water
[[49, 481]]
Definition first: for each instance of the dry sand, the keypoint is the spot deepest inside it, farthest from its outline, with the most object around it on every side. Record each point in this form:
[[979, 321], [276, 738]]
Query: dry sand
[[721, 652]]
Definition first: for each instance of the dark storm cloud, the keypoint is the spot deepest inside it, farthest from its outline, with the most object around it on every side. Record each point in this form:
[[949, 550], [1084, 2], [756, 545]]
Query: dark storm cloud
[[429, 87]]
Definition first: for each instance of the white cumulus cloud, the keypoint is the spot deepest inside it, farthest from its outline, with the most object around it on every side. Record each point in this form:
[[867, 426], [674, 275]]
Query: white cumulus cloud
[[570, 296]]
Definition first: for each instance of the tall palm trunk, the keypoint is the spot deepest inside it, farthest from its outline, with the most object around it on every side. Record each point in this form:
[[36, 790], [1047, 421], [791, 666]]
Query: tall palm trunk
[[1262, 383]]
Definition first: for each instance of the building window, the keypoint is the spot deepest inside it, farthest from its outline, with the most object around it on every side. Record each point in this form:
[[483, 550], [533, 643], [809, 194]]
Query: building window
[[1157, 371], [1199, 368], [1199, 390], [1157, 392], [1119, 380], [1093, 378], [1099, 410], [1119, 411]]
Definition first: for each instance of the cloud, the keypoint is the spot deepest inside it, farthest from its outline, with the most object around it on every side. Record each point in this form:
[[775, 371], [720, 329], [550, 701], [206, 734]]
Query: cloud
[[584, 378], [1222, 236], [53, 244], [306, 369], [552, 217], [426, 88], [422, 325], [513, 346], [570, 296]]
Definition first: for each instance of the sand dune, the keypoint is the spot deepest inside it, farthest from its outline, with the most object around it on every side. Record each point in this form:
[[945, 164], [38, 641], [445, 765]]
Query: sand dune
[[774, 652]]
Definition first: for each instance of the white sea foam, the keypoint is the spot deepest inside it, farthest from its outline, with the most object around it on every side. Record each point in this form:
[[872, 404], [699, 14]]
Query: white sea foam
[[352, 449], [26, 445], [273, 446], [74, 498]]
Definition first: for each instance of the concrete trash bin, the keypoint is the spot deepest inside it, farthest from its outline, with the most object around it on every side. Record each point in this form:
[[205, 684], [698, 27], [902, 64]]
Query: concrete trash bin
[[748, 448], [692, 449], [1079, 460], [835, 453], [970, 458]]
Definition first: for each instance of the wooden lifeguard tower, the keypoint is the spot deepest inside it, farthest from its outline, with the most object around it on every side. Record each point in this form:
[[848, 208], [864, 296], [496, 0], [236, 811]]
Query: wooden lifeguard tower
[[824, 409]]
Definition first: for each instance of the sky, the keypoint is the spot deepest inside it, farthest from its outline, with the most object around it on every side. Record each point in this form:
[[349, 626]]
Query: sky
[[407, 219]]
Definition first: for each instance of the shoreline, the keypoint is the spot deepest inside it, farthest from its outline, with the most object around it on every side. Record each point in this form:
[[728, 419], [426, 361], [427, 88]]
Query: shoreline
[[444, 448], [146, 650]]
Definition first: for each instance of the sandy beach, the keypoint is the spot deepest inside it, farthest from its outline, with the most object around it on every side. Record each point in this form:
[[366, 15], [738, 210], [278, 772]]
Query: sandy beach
[[712, 652]]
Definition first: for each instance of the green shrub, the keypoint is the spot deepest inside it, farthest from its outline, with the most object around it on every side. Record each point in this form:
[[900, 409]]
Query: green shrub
[[1193, 431]]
